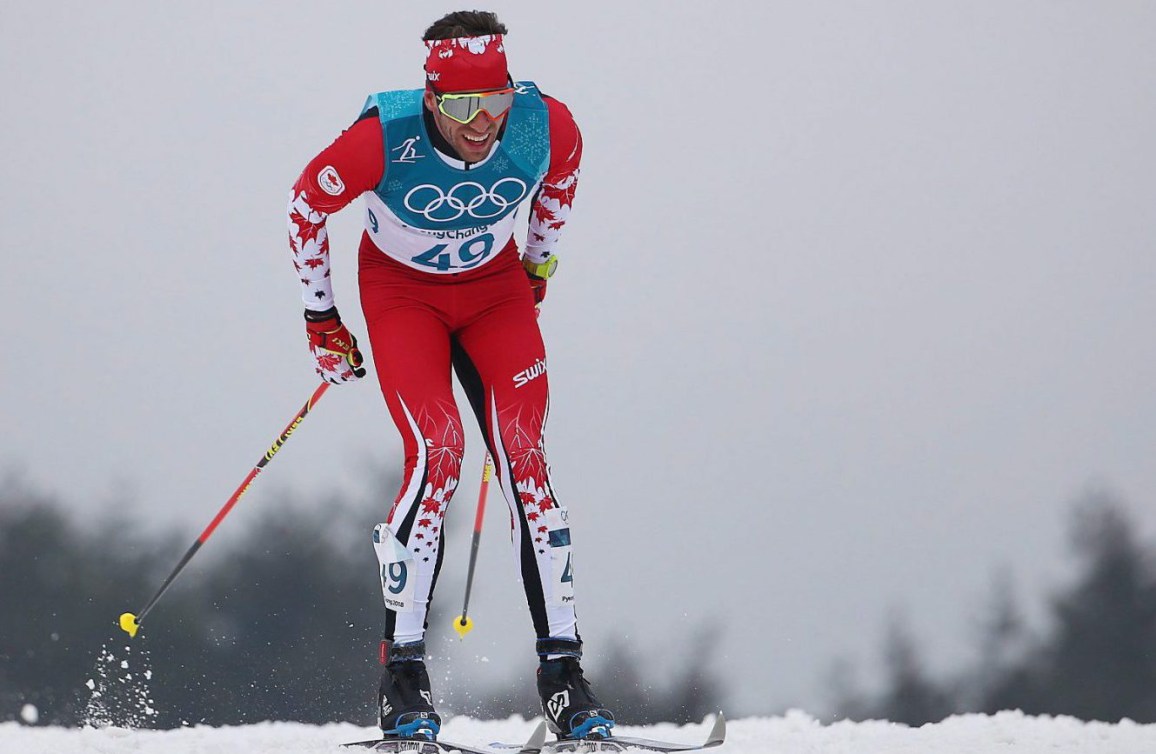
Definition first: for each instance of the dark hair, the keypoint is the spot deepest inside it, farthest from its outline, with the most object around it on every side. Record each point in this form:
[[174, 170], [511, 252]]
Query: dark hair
[[464, 23]]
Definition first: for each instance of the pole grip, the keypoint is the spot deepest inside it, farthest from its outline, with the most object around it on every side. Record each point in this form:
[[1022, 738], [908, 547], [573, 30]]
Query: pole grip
[[487, 474]]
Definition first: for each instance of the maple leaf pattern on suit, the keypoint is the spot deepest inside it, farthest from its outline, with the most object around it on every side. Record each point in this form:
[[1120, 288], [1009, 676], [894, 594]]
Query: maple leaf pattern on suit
[[562, 190], [542, 214], [521, 430], [309, 242], [444, 442], [305, 236], [522, 435], [549, 213], [536, 498]]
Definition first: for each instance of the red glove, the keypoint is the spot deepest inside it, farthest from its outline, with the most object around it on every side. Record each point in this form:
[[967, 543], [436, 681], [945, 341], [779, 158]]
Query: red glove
[[538, 273], [335, 349], [538, 288]]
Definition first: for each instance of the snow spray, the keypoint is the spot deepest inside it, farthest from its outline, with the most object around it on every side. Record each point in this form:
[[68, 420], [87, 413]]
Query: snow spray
[[119, 693]]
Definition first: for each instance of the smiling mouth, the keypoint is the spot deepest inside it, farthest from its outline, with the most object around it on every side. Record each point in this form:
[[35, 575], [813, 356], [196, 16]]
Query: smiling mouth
[[476, 140]]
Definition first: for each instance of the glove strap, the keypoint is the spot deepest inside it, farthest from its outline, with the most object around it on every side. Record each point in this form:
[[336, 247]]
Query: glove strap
[[328, 314]]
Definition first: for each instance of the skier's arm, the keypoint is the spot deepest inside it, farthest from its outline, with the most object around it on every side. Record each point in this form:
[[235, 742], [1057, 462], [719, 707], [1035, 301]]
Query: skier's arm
[[347, 168], [551, 205]]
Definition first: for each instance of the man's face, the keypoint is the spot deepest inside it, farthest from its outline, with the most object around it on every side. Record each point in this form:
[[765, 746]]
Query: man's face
[[473, 140]]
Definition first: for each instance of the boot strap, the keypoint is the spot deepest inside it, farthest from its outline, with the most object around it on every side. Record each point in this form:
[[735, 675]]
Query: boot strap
[[564, 647], [389, 652]]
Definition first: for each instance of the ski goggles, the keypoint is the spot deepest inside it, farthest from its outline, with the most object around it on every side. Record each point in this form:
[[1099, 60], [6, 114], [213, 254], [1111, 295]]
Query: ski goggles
[[464, 107]]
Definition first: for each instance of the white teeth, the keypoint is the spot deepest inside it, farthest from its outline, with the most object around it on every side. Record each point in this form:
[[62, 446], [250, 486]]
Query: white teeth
[[478, 139]]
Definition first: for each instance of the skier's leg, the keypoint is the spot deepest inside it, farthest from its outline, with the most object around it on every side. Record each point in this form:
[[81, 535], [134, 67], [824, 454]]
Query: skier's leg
[[412, 358], [501, 362], [410, 344]]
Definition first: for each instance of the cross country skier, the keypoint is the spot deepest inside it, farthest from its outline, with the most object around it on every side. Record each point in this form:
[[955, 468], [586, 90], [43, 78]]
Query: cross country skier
[[444, 170]]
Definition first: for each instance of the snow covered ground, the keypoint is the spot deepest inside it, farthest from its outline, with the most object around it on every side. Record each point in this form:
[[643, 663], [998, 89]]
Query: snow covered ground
[[794, 733]]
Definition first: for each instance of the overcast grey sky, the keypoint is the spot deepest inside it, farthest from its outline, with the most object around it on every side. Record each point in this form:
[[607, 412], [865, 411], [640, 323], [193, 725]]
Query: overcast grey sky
[[856, 297]]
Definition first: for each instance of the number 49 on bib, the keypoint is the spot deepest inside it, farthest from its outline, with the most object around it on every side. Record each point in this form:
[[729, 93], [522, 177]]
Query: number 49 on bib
[[467, 255]]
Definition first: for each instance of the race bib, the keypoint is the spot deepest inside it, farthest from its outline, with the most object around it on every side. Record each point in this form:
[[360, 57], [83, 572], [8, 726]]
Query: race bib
[[440, 251], [561, 557], [397, 570]]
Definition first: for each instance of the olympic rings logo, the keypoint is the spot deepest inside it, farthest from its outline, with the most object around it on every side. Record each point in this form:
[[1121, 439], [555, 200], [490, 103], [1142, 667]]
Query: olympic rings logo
[[466, 198]]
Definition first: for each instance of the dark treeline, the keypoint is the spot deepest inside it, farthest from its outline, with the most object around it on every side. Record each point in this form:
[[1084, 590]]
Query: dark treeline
[[278, 618], [1095, 660], [283, 619]]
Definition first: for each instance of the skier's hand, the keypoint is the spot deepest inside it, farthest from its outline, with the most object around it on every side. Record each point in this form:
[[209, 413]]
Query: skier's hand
[[334, 347], [538, 273], [538, 288]]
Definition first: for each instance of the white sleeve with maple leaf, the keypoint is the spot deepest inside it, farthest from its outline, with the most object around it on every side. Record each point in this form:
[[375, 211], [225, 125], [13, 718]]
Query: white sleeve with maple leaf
[[551, 206], [310, 244], [343, 171]]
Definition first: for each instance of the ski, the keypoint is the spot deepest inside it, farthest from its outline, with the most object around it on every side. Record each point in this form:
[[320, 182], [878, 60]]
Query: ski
[[717, 736], [533, 745]]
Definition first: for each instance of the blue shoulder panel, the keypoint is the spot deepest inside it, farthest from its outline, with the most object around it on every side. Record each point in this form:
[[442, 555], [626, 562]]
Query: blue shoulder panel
[[394, 104], [528, 130]]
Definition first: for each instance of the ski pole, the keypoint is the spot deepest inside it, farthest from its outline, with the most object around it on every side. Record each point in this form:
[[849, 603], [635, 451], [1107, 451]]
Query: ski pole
[[462, 624], [130, 623]]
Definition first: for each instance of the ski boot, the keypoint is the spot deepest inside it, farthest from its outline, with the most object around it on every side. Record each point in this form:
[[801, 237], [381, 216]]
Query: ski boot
[[572, 711], [404, 701]]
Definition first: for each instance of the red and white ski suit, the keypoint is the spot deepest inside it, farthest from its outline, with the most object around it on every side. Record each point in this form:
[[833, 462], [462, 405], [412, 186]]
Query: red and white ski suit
[[481, 323]]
